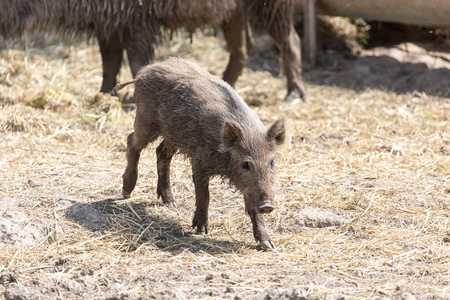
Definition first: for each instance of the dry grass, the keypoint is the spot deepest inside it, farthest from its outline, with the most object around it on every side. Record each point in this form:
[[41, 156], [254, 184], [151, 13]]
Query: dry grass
[[379, 158]]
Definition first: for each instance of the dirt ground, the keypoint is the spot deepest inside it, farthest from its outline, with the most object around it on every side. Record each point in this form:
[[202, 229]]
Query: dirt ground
[[363, 203]]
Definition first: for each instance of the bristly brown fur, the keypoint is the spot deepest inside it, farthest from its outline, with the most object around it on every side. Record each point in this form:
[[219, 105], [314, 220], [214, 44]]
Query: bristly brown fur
[[141, 19]]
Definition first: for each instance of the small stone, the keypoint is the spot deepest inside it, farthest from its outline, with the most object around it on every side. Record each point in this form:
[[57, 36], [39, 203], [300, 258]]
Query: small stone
[[209, 277]]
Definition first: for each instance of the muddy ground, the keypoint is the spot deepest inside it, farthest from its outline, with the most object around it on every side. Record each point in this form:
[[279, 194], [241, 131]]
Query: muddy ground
[[363, 202]]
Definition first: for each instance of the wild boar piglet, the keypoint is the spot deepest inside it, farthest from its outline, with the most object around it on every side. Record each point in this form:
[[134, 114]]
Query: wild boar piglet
[[202, 117]]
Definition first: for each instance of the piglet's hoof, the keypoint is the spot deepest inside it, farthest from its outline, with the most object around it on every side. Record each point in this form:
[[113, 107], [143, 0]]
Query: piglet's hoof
[[267, 245], [126, 195], [201, 229]]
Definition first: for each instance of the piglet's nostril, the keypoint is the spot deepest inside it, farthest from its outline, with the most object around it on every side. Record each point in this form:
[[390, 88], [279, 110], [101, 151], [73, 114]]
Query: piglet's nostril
[[266, 209], [266, 206]]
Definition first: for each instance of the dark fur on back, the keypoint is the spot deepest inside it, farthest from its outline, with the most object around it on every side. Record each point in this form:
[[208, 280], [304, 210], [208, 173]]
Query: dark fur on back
[[141, 19]]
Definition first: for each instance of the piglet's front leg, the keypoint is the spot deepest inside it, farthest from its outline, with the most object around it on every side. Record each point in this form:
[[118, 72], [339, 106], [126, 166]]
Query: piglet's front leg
[[201, 184], [259, 230]]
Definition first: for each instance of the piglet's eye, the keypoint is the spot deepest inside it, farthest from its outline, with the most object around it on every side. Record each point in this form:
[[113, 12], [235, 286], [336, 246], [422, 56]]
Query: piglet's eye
[[272, 163], [245, 165]]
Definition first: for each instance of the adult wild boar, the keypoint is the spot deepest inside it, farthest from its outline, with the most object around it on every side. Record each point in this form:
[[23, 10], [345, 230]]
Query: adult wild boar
[[135, 26], [202, 117]]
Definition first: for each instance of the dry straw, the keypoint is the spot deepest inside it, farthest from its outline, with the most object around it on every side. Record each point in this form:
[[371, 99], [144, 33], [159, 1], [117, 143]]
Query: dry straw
[[378, 158]]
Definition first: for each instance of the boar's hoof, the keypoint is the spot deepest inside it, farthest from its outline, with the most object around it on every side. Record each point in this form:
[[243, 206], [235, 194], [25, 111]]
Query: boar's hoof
[[267, 245], [293, 98]]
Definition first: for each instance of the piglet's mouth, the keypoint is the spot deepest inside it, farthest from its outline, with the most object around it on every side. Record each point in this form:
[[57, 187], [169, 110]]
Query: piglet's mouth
[[266, 206]]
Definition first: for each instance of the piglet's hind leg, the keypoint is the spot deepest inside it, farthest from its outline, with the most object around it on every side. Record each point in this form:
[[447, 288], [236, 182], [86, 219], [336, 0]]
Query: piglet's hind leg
[[135, 143], [164, 154]]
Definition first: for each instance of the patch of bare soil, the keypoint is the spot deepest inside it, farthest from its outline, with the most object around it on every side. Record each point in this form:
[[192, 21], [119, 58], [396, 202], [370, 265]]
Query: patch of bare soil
[[362, 209], [18, 228]]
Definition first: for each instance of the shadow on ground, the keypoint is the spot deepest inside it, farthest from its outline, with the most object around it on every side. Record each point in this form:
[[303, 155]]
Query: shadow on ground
[[132, 223], [382, 72]]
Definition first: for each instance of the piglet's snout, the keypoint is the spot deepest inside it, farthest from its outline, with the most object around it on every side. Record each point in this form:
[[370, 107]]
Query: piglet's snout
[[265, 206]]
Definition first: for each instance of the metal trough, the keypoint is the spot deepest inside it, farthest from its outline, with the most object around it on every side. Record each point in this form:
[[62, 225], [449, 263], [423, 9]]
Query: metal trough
[[435, 13]]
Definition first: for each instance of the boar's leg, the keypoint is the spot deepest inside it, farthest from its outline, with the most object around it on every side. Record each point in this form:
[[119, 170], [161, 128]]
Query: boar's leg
[[136, 141], [138, 55], [289, 46], [164, 154], [201, 183], [259, 230], [237, 34], [111, 50]]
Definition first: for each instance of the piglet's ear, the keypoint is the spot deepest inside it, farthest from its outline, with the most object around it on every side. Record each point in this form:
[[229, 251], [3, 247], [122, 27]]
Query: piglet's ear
[[277, 132], [233, 135]]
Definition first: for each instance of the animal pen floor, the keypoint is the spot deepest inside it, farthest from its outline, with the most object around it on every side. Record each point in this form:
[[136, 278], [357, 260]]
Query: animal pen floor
[[362, 211]]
